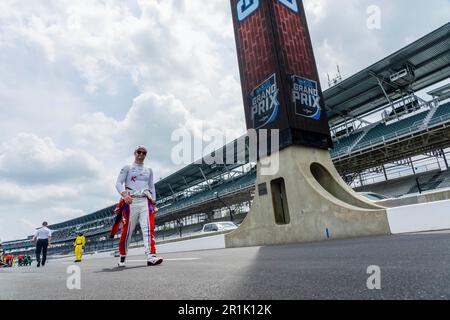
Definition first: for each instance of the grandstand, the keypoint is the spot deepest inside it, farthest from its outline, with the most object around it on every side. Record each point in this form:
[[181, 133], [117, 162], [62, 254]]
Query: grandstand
[[408, 135], [410, 184], [381, 129]]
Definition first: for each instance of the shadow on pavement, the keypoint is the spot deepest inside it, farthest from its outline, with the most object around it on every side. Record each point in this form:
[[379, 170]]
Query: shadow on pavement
[[117, 269], [412, 267]]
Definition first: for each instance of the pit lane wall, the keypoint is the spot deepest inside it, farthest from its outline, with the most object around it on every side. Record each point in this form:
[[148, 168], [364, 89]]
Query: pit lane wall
[[432, 216], [426, 197]]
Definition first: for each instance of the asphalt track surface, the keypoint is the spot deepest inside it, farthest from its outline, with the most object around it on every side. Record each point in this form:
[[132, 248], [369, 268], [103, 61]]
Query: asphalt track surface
[[412, 267]]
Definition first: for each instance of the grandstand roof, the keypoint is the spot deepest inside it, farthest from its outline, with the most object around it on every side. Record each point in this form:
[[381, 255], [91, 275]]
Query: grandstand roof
[[201, 170], [90, 217], [429, 57], [441, 92]]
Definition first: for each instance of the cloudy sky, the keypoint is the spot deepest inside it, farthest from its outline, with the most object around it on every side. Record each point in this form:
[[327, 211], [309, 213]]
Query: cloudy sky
[[84, 81]]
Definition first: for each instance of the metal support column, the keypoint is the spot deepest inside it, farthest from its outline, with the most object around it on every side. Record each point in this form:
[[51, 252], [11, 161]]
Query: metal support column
[[173, 193], [206, 180], [361, 181], [445, 158], [386, 95], [412, 166], [384, 171]]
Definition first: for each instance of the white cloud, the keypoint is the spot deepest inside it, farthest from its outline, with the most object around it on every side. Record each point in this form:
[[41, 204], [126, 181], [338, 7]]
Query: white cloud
[[67, 213], [340, 34], [28, 159], [39, 181], [13, 193], [149, 121], [28, 224]]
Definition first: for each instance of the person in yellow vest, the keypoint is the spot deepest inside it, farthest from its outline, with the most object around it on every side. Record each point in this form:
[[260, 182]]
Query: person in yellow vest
[[79, 244]]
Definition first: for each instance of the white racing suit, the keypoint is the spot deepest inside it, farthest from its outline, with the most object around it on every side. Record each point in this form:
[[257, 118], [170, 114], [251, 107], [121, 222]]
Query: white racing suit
[[142, 211]]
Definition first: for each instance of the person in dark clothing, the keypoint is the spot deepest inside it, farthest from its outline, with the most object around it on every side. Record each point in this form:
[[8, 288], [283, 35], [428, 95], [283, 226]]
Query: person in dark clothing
[[20, 260], [27, 260], [42, 238]]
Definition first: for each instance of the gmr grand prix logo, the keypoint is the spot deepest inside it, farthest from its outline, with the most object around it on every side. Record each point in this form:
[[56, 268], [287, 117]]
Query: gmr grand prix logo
[[306, 97], [264, 103], [245, 8]]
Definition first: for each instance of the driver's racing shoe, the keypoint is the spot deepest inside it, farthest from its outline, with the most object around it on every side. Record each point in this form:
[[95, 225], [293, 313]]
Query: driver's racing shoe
[[121, 263], [154, 261]]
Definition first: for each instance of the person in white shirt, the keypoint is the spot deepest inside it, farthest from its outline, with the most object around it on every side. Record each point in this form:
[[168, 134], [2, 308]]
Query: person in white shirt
[[135, 185], [42, 238]]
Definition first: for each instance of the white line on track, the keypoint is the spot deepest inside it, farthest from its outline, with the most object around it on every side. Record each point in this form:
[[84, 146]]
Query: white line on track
[[176, 259]]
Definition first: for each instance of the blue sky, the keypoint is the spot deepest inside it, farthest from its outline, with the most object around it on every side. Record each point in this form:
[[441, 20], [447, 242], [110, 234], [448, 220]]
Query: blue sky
[[83, 82]]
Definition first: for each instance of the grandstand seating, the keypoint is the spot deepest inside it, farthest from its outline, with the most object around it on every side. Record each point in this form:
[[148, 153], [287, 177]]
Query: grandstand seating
[[348, 141], [384, 132], [226, 187], [445, 180], [89, 228], [392, 188], [427, 182], [443, 111], [408, 185]]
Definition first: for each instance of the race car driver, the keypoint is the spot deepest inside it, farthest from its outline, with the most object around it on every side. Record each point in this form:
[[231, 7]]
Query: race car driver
[[135, 185]]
